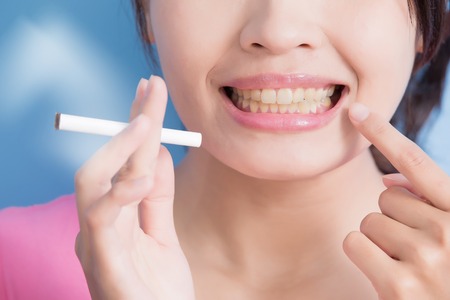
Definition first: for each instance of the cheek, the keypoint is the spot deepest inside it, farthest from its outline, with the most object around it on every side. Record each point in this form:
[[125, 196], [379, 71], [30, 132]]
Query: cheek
[[191, 36], [381, 51]]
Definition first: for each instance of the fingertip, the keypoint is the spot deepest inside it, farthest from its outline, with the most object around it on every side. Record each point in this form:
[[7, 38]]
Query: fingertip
[[154, 83], [141, 88], [139, 95], [358, 112], [350, 241], [394, 179]]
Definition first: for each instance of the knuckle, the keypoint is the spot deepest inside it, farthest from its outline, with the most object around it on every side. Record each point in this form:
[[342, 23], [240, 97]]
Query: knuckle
[[127, 171], [440, 232], [412, 157], [423, 254], [124, 173], [117, 191], [81, 177], [379, 128], [84, 179], [92, 219], [403, 287], [433, 259]]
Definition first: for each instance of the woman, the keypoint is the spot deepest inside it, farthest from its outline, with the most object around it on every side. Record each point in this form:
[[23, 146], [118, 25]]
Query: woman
[[284, 200]]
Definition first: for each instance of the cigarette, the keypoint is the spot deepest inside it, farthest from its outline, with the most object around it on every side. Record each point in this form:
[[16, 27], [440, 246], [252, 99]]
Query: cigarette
[[111, 128]]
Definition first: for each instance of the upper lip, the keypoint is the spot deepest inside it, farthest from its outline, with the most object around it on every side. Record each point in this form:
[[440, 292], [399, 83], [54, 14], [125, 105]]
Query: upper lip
[[278, 81]]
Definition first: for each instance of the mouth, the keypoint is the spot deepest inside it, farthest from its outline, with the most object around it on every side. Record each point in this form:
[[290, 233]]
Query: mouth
[[301, 100]]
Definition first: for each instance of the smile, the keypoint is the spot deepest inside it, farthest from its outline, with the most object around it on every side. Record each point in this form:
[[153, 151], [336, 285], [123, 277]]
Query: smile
[[285, 100]]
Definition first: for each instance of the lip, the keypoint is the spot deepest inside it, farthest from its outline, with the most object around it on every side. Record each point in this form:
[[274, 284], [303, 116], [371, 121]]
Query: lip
[[282, 122]]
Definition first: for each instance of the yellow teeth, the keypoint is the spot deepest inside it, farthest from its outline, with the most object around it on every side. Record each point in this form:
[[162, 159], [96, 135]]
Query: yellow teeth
[[299, 100]]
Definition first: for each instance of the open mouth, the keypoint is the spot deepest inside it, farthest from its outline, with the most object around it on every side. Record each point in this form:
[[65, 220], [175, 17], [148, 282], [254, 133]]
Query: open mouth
[[285, 100]]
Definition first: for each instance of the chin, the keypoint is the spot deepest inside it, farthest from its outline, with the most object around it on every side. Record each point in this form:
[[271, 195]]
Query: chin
[[291, 166]]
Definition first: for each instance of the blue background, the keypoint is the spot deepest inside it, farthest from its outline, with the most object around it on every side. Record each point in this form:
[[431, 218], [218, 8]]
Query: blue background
[[82, 57], [77, 57]]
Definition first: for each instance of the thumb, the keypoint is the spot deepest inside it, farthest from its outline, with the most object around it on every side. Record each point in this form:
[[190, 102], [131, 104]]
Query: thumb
[[397, 179]]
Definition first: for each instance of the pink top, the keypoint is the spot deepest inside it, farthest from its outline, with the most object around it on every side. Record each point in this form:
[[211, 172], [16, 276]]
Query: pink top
[[37, 256]]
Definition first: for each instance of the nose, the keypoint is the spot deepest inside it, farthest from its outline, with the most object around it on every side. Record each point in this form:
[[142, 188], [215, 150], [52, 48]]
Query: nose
[[278, 26]]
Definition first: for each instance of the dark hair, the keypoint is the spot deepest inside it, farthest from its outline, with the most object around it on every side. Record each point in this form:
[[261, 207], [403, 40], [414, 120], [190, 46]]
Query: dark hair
[[425, 89]]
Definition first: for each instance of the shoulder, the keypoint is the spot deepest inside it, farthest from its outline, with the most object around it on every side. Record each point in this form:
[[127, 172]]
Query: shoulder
[[52, 211], [37, 253], [54, 221]]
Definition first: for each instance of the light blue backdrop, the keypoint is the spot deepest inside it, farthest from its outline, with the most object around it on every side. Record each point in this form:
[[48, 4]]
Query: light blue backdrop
[[80, 57]]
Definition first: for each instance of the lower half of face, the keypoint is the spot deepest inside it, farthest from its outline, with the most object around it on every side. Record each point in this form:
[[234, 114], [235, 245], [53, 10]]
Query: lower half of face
[[269, 86]]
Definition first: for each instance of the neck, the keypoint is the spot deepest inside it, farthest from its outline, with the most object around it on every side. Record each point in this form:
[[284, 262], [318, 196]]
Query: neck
[[287, 227]]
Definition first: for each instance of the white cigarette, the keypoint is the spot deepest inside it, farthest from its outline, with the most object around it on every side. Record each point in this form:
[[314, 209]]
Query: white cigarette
[[111, 128]]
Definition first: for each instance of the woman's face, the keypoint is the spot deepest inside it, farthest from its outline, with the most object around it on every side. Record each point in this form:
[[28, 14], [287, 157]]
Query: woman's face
[[255, 76]]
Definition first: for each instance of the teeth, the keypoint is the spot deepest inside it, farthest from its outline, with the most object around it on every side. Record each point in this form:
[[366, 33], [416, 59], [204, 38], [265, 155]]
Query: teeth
[[326, 102], [246, 103], [269, 96], [320, 94], [284, 96], [299, 95], [283, 108], [293, 108], [247, 94], [254, 105], [299, 100], [304, 107], [273, 108], [330, 91], [310, 94], [313, 107], [263, 107], [256, 95]]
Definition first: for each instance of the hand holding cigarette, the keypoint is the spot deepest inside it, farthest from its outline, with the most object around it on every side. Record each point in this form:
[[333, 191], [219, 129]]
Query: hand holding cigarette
[[111, 128], [125, 195]]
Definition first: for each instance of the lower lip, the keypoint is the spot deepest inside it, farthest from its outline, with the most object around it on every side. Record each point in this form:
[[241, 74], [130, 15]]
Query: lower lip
[[283, 122]]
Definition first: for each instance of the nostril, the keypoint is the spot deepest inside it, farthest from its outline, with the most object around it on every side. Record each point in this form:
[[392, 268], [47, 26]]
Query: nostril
[[257, 45], [304, 45]]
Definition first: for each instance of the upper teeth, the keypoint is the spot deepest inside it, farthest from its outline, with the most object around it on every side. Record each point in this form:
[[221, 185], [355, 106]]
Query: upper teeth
[[285, 95]]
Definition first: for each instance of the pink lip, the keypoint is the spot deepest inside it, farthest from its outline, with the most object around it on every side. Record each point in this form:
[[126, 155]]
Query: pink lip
[[282, 122]]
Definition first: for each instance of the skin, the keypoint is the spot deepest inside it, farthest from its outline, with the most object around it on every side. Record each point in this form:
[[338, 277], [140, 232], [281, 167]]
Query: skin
[[232, 227]]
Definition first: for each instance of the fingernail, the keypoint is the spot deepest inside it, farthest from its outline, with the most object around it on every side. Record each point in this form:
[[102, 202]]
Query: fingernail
[[147, 90], [142, 85], [358, 112], [142, 82], [395, 177]]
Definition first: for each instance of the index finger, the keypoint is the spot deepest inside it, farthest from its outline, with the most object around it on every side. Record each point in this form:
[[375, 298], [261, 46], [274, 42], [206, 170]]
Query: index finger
[[408, 158]]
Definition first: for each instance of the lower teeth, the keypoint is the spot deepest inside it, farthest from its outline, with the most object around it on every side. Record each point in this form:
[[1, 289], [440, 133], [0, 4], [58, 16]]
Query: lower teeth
[[303, 107]]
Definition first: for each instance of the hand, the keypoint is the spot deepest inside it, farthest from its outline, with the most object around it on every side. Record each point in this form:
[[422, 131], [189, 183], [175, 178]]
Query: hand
[[405, 250], [127, 243]]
